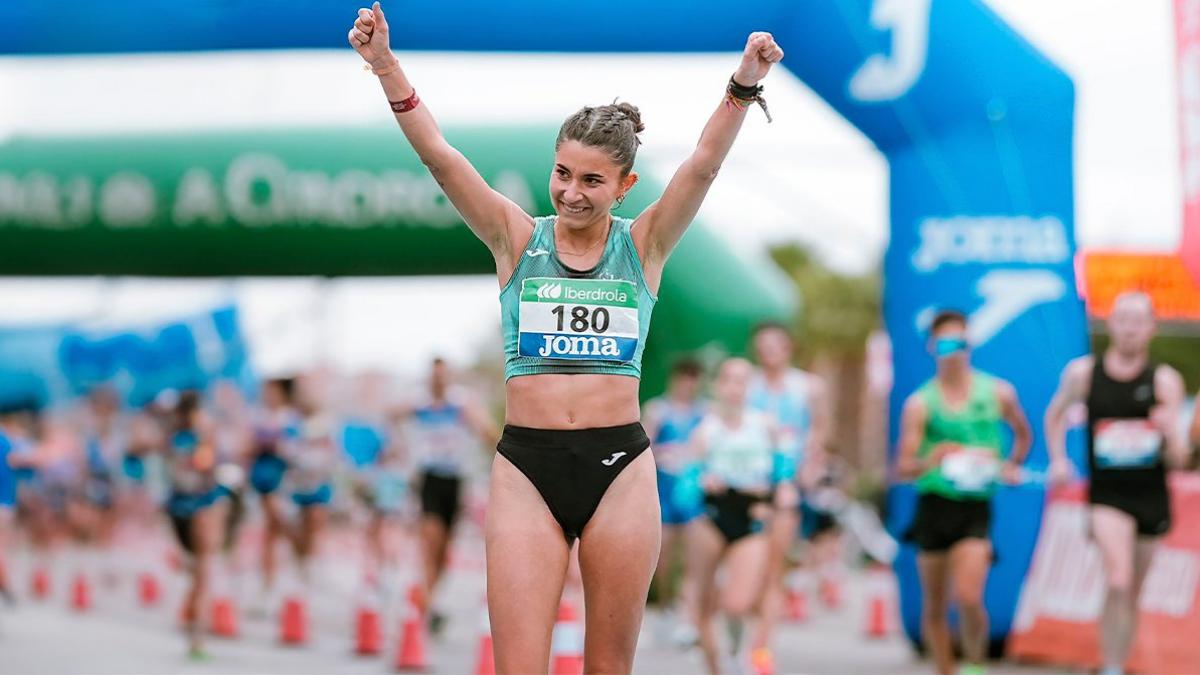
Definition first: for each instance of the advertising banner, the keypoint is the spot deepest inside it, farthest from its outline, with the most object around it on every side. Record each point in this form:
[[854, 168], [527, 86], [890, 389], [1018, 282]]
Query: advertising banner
[[1060, 604]]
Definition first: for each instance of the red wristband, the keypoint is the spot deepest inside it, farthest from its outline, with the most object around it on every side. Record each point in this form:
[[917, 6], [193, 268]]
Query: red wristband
[[407, 104]]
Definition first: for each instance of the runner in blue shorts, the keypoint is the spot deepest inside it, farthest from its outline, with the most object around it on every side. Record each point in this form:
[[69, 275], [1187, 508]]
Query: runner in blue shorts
[[798, 402], [312, 460], [670, 421], [195, 507], [276, 426]]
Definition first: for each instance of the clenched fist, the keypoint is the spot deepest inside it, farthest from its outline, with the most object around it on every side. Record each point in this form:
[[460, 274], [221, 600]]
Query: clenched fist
[[760, 52], [369, 37]]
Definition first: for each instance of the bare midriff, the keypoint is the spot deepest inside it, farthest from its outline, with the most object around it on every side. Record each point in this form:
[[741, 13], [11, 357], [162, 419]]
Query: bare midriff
[[555, 401]]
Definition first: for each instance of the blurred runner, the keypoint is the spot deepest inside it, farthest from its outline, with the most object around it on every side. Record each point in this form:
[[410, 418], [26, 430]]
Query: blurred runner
[[951, 444], [823, 497], [195, 507], [378, 478], [312, 460], [670, 421], [276, 428], [1134, 406], [21, 425], [97, 501], [233, 435], [441, 432], [736, 446], [797, 400]]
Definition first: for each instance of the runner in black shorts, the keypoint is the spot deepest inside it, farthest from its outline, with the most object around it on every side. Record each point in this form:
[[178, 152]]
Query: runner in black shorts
[[738, 449], [441, 428], [1134, 406], [951, 443]]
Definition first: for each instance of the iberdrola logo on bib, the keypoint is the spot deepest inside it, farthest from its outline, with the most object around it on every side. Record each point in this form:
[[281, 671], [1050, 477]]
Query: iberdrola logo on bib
[[550, 292], [578, 319]]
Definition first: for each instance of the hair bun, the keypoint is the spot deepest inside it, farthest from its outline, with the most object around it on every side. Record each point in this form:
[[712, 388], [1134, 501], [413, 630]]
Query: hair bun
[[631, 111]]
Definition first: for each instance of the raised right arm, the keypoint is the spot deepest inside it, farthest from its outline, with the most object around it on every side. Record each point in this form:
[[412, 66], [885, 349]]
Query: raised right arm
[[493, 218]]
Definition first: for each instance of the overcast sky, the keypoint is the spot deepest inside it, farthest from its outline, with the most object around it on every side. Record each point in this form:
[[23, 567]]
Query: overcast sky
[[810, 175]]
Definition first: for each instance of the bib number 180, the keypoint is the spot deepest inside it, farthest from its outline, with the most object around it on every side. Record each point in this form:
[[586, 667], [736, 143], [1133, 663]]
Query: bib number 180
[[582, 320]]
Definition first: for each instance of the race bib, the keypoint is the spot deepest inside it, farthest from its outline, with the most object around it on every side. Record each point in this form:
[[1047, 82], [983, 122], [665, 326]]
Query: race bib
[[971, 469], [578, 319], [1126, 444]]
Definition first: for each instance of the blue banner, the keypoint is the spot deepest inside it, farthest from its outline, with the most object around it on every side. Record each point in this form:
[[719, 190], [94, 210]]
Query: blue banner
[[976, 124], [977, 127], [49, 366]]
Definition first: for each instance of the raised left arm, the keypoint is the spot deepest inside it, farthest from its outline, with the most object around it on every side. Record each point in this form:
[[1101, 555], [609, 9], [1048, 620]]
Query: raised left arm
[[663, 223]]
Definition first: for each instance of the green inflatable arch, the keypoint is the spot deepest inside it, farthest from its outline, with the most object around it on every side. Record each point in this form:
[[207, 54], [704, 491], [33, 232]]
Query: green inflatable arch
[[328, 202]]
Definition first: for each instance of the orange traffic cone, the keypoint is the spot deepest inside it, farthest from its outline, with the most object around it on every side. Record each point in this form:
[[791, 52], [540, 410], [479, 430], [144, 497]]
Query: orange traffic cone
[[368, 627], [410, 656], [81, 593], [878, 623], [877, 618], [796, 602], [368, 631], [831, 593], [40, 584], [293, 624], [485, 663], [224, 617], [566, 645], [148, 591]]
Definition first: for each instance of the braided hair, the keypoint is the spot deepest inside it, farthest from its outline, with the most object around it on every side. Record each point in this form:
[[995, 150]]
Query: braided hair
[[612, 128]]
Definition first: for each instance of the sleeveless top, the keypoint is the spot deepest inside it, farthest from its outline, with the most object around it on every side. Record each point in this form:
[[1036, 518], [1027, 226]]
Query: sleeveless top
[[789, 407], [1124, 447], [743, 457], [674, 424], [274, 430], [976, 426], [440, 436], [557, 319], [184, 474], [313, 457]]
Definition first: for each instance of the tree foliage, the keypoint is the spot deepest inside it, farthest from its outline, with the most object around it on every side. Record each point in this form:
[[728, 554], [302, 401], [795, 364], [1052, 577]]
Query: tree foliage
[[838, 311]]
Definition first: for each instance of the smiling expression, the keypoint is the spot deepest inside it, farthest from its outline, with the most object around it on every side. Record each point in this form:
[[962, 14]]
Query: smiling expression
[[585, 183]]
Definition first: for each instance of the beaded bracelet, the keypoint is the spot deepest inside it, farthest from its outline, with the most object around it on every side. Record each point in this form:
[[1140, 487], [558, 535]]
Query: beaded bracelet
[[741, 96]]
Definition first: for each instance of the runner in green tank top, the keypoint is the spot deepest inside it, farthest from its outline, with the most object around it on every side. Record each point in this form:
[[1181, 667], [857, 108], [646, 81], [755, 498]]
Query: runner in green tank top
[[951, 444], [577, 290]]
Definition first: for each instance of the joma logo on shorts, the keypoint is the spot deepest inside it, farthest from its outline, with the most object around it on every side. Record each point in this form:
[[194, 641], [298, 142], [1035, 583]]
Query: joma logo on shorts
[[562, 345]]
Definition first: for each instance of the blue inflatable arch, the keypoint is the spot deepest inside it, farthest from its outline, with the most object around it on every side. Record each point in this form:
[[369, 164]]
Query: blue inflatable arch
[[975, 123]]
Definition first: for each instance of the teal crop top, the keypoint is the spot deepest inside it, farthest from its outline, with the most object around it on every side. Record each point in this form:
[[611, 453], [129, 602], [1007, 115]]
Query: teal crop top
[[556, 319]]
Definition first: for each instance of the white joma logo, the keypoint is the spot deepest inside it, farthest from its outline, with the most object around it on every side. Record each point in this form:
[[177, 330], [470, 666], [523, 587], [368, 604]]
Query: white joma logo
[[612, 460], [537, 252], [1007, 294]]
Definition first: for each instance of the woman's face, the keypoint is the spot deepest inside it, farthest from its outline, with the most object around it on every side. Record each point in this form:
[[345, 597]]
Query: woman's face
[[733, 383], [584, 184]]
